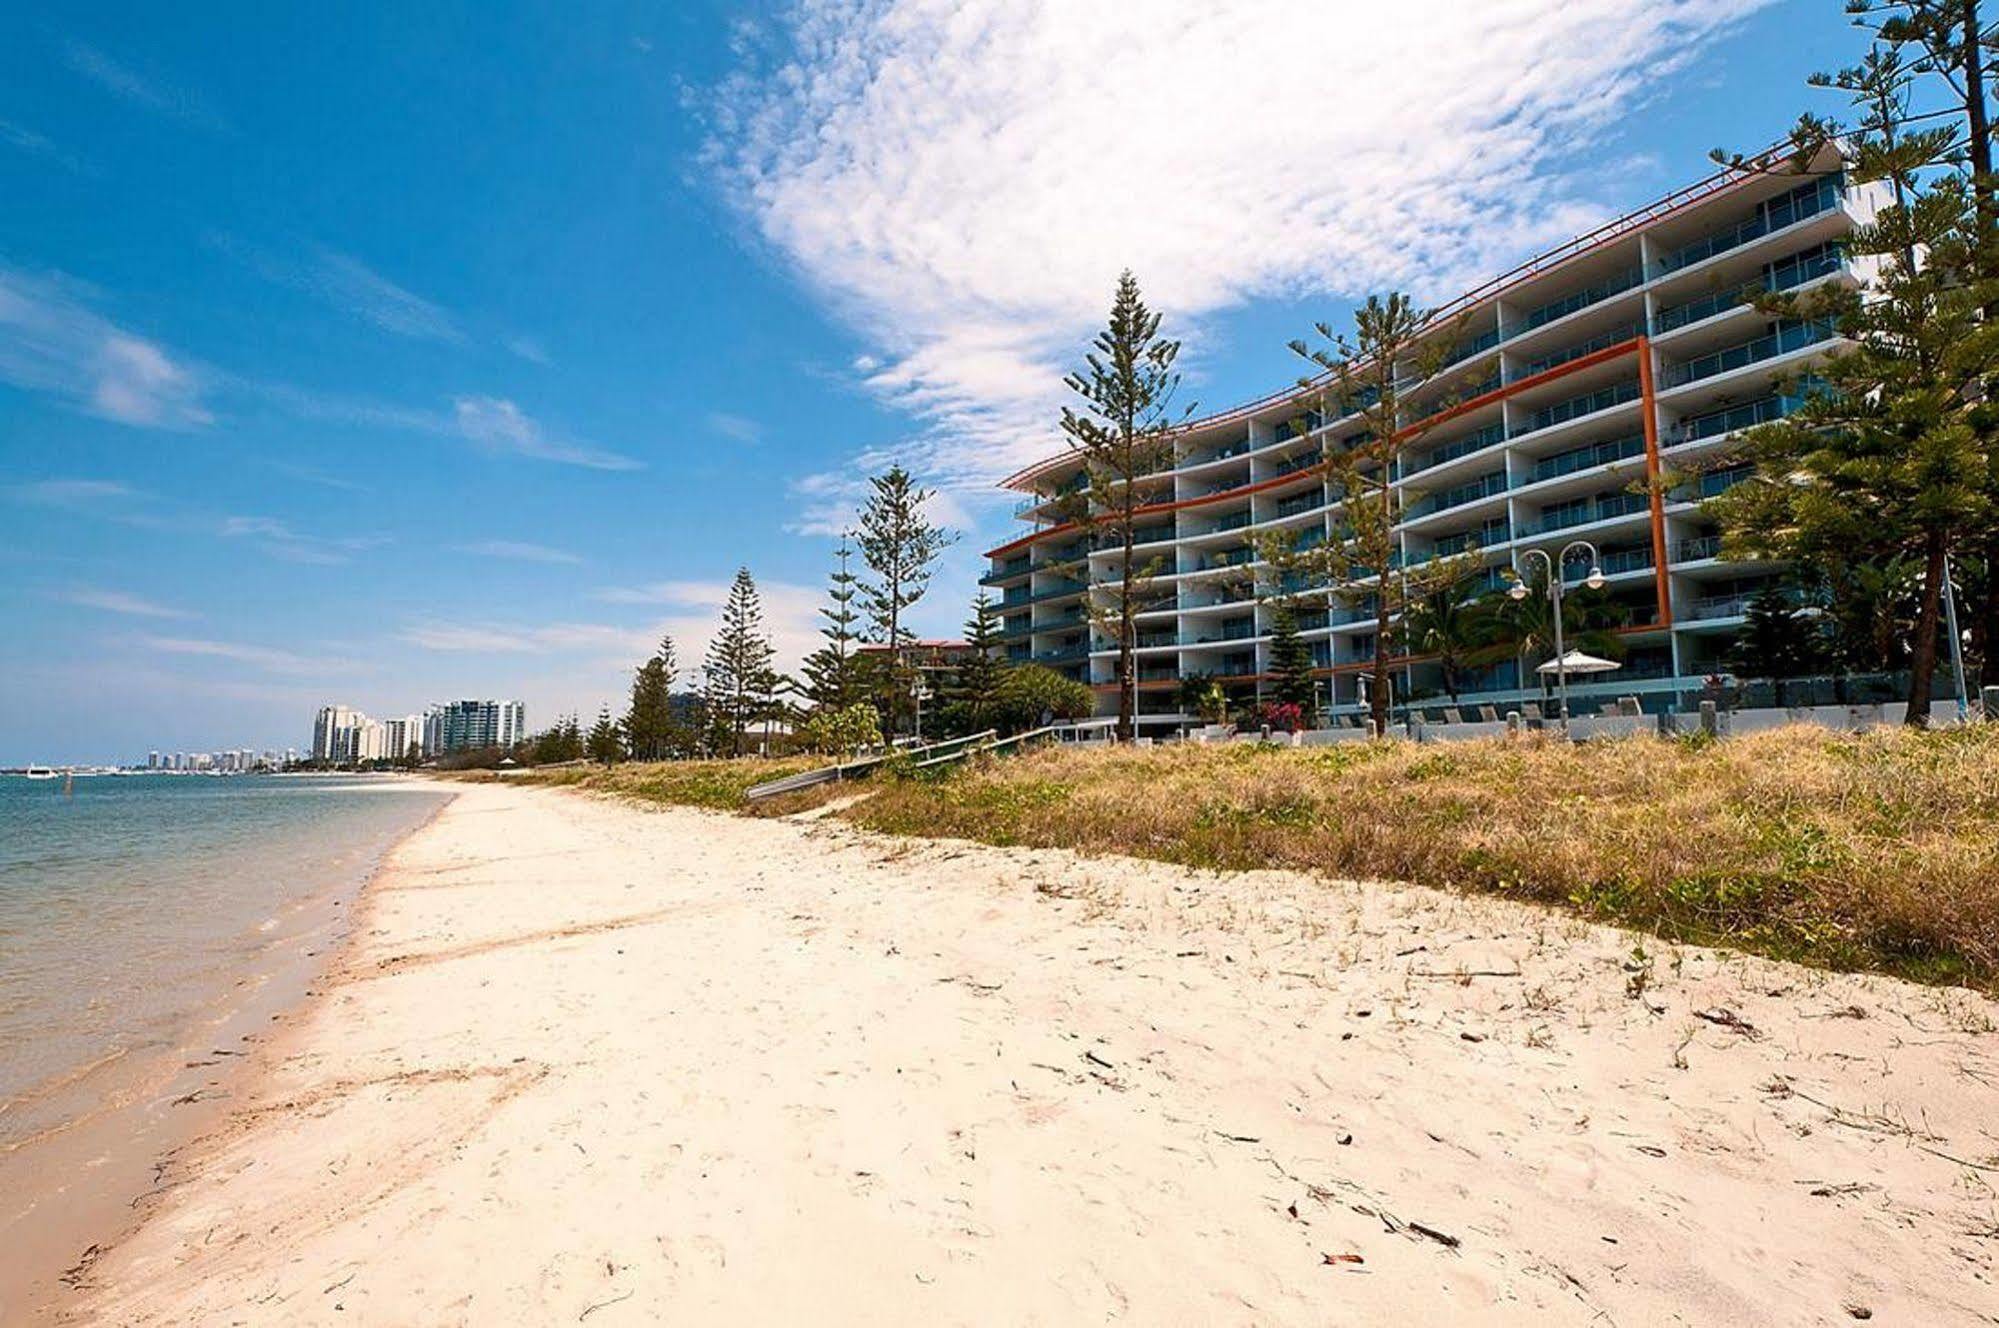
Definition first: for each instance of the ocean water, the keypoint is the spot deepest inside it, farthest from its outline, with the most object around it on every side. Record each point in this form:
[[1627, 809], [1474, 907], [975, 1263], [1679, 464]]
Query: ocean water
[[131, 907]]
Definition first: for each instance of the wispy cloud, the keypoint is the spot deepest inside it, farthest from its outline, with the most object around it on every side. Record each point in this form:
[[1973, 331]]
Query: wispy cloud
[[52, 341], [40, 145], [142, 91], [736, 428], [791, 616], [499, 425], [346, 283], [517, 551], [73, 493], [118, 601], [352, 286], [317, 478], [529, 349], [912, 161], [262, 657], [280, 540]]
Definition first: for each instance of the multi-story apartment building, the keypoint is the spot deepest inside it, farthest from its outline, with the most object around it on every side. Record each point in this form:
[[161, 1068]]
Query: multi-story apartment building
[[1594, 393], [470, 725], [335, 733], [399, 735]]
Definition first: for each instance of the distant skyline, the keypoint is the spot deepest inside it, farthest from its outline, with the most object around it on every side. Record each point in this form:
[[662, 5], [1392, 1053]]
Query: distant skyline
[[466, 351]]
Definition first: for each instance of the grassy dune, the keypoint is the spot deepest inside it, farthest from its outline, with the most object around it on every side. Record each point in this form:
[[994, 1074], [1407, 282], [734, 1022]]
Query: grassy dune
[[1871, 851], [1877, 851], [717, 785]]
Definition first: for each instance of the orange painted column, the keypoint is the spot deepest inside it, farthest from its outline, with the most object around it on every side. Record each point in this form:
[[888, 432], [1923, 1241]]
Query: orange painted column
[[1647, 395]]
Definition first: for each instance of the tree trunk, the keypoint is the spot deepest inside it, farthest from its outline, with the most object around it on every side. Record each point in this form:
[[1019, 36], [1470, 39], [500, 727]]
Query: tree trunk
[[1923, 661], [1985, 621], [1377, 701], [1127, 661]]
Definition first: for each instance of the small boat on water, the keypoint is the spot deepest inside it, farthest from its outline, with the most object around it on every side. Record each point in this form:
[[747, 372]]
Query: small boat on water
[[40, 772]]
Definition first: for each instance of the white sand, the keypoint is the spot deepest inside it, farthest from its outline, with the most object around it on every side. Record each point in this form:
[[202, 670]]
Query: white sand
[[589, 1063]]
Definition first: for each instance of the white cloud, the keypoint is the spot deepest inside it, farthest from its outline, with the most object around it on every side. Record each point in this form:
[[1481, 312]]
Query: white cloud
[[53, 341], [121, 81], [278, 539], [790, 612], [736, 428], [517, 551], [262, 657], [74, 493], [501, 426], [529, 349], [118, 601], [964, 182], [40, 145], [352, 286]]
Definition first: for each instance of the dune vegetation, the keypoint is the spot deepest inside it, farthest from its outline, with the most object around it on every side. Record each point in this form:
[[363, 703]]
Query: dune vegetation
[[1876, 850]]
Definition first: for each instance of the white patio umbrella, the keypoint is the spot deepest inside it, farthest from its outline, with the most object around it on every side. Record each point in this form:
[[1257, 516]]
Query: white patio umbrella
[[1577, 662]]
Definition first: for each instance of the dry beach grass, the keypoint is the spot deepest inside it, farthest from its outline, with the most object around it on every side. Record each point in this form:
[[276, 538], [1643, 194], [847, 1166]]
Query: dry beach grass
[[1876, 850]]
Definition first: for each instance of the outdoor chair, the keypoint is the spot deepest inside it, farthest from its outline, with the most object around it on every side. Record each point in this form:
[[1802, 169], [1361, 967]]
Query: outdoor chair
[[1452, 716], [1531, 711], [1631, 706], [1609, 709], [1488, 714]]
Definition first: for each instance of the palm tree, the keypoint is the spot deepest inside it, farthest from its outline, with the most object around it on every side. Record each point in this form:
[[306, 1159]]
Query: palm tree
[[1525, 627], [1461, 633]]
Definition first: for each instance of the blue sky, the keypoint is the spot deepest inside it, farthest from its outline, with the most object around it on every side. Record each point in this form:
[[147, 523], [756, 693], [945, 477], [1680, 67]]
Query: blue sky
[[464, 349]]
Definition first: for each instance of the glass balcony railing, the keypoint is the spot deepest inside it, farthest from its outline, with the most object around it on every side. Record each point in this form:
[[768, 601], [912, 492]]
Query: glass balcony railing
[[1615, 561], [1287, 429], [1713, 484], [1720, 606], [1233, 521], [1477, 442], [1616, 284], [1012, 567], [1790, 335], [1303, 461], [1485, 486], [1623, 332], [1586, 458], [1238, 448], [1796, 270], [1584, 511], [1577, 407], [1491, 533], [1697, 549], [1746, 416], [1476, 345], [1233, 558], [1807, 200], [1304, 502]]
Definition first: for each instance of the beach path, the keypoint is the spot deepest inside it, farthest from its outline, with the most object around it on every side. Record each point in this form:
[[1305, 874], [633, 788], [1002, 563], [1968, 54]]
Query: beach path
[[588, 1062]]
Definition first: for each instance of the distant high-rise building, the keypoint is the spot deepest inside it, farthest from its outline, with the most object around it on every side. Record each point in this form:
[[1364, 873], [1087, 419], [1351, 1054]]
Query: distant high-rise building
[[335, 732], [460, 726], [152, 760], [399, 735]]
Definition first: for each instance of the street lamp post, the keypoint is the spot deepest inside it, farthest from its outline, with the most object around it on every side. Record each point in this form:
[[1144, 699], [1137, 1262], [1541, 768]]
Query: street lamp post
[[1554, 565]]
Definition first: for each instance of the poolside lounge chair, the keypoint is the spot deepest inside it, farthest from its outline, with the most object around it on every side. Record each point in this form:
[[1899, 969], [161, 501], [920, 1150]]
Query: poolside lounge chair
[[1610, 709], [1531, 712], [1631, 706], [1488, 714], [1451, 715]]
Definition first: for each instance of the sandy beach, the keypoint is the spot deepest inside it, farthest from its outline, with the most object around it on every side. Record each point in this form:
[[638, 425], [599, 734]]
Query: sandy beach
[[586, 1062]]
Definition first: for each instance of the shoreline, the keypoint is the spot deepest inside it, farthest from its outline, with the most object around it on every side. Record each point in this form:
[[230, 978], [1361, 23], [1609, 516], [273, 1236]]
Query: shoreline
[[681, 1065], [90, 1180]]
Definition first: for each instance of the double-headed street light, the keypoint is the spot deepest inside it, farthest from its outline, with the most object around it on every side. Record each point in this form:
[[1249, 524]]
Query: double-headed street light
[[1554, 565]]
